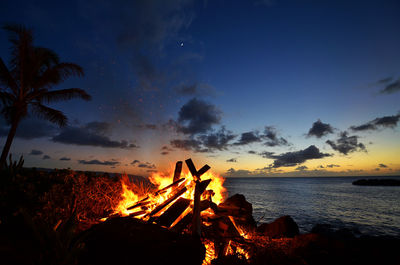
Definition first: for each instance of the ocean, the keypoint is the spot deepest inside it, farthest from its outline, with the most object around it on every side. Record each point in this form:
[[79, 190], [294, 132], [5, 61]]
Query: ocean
[[371, 210]]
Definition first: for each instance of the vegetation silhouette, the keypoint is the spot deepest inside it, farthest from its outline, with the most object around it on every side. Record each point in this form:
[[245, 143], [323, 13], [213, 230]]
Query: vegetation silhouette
[[26, 85]]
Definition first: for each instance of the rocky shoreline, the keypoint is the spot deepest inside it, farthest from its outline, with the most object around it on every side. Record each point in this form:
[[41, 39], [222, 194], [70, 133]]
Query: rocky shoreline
[[377, 182]]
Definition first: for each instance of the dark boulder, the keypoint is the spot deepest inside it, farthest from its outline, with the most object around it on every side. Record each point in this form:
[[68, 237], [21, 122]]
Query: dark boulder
[[126, 240], [240, 209], [284, 226]]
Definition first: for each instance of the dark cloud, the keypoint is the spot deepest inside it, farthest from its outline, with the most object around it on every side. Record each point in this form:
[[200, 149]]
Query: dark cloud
[[390, 85], [197, 116], [217, 140], [97, 162], [346, 144], [46, 157], [233, 160], [383, 166], [385, 80], [270, 134], [301, 168], [134, 162], [92, 134], [332, 166], [166, 150], [188, 145], [320, 129], [35, 152], [147, 165], [294, 158], [383, 122], [320, 166], [252, 152], [29, 128], [65, 159], [248, 138]]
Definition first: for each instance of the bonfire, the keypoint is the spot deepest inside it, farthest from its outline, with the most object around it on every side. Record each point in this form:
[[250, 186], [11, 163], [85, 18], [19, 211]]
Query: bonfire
[[190, 202]]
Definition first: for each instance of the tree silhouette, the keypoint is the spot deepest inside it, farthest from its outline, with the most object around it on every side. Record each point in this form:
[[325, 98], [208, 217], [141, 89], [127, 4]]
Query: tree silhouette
[[28, 81]]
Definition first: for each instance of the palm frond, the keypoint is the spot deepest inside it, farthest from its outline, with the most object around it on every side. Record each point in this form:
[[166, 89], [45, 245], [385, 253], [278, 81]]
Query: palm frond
[[6, 79], [63, 94], [52, 115], [6, 98], [57, 74], [21, 39], [16, 32]]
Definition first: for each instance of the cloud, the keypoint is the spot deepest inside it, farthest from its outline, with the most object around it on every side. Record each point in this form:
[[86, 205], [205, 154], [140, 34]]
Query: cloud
[[346, 144], [332, 166], [248, 138], [270, 134], [217, 140], [35, 152], [65, 159], [97, 162], [320, 129], [29, 128], [390, 85], [383, 122], [294, 158], [134, 162], [91, 134], [188, 145], [46, 157], [232, 160], [147, 165], [301, 168], [383, 166], [197, 116], [252, 152]]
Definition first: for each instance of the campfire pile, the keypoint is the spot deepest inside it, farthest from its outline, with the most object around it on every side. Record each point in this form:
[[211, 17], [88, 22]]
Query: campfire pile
[[188, 204]]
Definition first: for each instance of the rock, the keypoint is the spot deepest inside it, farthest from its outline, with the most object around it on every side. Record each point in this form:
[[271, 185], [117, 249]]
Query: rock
[[126, 240], [284, 226], [377, 182], [241, 210]]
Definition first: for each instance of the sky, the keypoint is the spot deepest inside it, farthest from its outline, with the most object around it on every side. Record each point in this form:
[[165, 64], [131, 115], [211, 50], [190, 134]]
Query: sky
[[253, 88]]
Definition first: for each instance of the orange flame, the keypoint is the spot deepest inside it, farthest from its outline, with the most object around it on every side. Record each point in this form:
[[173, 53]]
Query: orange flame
[[130, 197]]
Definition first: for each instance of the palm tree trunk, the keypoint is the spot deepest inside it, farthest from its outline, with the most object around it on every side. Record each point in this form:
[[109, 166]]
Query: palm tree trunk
[[7, 146]]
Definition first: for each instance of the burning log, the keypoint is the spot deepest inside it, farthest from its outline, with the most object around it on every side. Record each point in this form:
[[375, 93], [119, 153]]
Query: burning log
[[178, 170], [173, 212], [175, 183], [168, 201]]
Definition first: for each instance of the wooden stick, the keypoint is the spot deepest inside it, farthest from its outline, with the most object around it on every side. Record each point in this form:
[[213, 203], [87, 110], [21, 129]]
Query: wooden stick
[[203, 170], [173, 212], [198, 190], [168, 201], [192, 168], [175, 183], [178, 170]]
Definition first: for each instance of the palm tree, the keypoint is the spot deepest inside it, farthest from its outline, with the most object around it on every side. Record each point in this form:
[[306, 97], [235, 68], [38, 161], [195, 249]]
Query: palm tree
[[28, 81]]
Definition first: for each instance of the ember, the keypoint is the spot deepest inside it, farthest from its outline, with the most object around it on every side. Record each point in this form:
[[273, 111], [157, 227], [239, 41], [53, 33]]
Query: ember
[[190, 202]]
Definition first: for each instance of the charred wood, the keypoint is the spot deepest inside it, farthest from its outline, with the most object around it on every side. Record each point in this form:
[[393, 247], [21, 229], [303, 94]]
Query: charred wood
[[173, 212]]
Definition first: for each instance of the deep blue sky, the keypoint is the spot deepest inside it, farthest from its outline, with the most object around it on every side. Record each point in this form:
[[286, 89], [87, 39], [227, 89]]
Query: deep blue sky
[[153, 67]]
